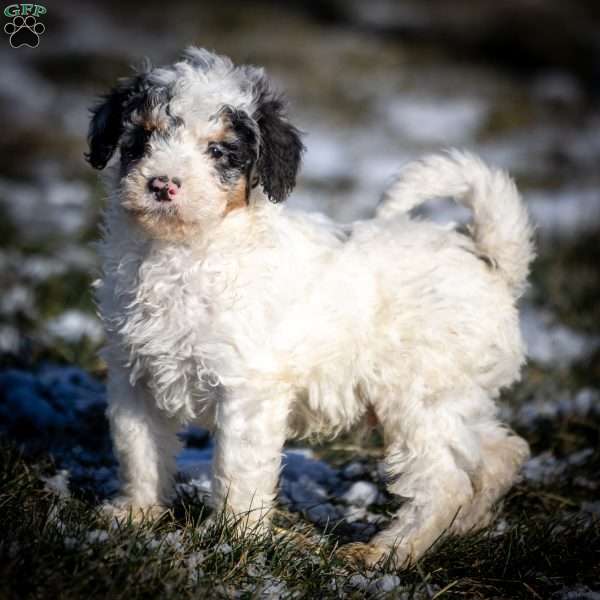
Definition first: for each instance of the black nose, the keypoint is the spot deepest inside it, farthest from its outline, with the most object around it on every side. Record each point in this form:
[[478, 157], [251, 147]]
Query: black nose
[[163, 187]]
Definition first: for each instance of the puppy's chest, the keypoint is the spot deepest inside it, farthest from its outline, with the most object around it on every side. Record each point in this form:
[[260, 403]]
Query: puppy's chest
[[166, 312]]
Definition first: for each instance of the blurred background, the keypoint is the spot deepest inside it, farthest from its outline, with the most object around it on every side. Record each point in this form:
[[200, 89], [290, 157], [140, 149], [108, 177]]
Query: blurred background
[[373, 84]]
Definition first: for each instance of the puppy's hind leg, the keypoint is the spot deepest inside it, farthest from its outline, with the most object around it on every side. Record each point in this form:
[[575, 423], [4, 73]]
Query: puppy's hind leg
[[502, 454], [146, 445], [429, 455]]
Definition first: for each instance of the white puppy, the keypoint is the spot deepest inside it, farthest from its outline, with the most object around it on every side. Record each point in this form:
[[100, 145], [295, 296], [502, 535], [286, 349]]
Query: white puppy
[[226, 310]]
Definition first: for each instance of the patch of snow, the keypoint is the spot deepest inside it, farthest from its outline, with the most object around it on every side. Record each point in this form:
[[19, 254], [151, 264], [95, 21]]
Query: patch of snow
[[353, 470], [40, 268], [375, 586], [501, 526], [591, 507], [579, 592], [223, 548], [26, 95], [581, 457], [385, 584], [567, 213], [173, 540], [195, 466], [10, 339], [544, 468], [326, 156], [431, 120], [15, 300], [305, 492], [192, 563], [552, 343], [58, 484], [323, 514], [273, 589], [50, 208], [359, 581], [554, 405], [97, 536], [298, 463], [355, 513], [361, 493], [74, 325], [37, 268]]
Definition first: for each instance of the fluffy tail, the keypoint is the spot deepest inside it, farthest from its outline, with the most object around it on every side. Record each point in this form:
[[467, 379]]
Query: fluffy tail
[[500, 228]]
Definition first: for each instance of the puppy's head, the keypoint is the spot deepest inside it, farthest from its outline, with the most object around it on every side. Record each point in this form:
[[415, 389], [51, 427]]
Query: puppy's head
[[193, 139]]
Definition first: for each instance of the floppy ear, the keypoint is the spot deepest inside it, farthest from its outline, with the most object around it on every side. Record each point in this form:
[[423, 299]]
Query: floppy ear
[[280, 149], [106, 125]]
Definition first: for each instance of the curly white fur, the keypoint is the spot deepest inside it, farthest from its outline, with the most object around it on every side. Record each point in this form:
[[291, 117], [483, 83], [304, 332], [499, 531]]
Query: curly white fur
[[261, 323]]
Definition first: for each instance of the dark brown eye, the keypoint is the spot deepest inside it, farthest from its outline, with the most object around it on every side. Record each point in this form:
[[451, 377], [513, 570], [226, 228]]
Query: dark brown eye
[[215, 152]]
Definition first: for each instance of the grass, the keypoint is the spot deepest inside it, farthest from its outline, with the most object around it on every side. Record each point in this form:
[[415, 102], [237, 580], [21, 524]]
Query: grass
[[57, 547], [47, 550]]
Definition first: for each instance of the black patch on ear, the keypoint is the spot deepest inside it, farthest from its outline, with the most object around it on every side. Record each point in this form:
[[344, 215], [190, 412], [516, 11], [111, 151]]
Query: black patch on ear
[[109, 116], [280, 147], [106, 125]]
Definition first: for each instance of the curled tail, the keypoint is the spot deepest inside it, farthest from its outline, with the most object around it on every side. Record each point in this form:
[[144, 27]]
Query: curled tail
[[500, 228]]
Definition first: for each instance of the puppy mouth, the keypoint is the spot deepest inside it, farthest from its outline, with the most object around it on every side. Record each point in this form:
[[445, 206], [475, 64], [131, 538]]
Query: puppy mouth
[[162, 196], [162, 207], [150, 205]]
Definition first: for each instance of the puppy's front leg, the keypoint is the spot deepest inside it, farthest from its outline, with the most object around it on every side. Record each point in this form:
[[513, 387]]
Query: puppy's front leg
[[251, 426], [146, 445]]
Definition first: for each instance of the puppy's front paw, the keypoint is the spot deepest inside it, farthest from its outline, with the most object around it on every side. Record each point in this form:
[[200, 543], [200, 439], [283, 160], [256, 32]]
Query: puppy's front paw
[[122, 510], [359, 554]]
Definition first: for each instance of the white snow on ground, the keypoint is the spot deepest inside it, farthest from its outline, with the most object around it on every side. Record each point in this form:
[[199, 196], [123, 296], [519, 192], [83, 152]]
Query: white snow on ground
[[74, 325], [579, 592], [567, 213], [361, 493], [28, 95], [66, 399], [544, 468], [58, 484], [321, 493], [17, 299], [194, 465], [554, 405], [10, 339], [435, 120], [326, 155], [48, 208], [376, 587], [36, 268], [551, 343]]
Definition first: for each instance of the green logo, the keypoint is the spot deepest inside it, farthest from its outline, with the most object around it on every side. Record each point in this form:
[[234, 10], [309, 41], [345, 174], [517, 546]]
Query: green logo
[[24, 29], [22, 10]]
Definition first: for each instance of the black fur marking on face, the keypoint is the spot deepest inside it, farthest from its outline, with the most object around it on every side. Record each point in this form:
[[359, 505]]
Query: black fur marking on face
[[280, 144], [130, 102], [237, 154], [134, 147], [106, 126]]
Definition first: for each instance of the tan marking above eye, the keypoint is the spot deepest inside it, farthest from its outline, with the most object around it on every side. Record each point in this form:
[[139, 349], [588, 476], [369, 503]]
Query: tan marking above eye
[[236, 196]]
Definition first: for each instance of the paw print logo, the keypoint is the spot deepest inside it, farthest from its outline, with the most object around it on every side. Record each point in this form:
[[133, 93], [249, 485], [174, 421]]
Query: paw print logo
[[24, 31]]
